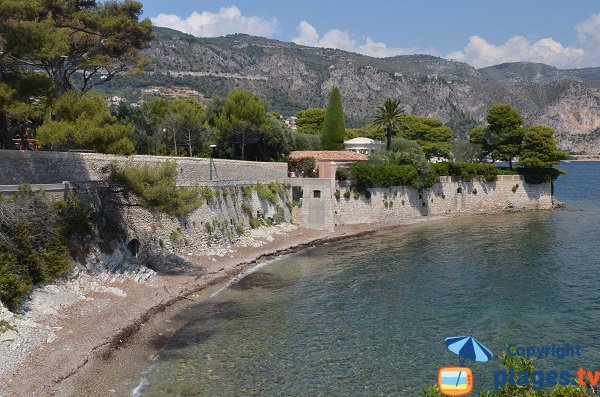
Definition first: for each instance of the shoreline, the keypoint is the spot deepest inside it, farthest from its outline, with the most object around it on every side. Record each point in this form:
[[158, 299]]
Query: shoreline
[[109, 359]]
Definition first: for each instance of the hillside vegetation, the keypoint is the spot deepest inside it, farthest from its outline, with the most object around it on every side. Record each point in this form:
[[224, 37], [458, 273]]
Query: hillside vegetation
[[292, 77]]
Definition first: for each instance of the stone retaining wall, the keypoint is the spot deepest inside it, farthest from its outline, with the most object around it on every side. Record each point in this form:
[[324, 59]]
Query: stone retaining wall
[[56, 167], [449, 196]]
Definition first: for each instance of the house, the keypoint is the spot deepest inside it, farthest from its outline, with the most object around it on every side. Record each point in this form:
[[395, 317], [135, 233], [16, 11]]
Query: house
[[327, 161], [291, 122], [362, 145]]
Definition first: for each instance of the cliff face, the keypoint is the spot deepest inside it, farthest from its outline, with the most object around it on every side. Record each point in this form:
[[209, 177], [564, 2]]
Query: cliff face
[[291, 77]]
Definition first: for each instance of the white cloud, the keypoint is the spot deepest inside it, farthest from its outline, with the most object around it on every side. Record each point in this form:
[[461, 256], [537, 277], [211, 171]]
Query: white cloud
[[343, 40], [228, 20], [590, 28], [480, 53]]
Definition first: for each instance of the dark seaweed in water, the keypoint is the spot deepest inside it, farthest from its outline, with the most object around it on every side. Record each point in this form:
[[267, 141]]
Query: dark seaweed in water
[[262, 279], [197, 321]]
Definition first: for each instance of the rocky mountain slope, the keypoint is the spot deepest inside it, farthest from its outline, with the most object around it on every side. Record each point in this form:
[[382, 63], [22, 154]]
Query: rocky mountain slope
[[291, 77]]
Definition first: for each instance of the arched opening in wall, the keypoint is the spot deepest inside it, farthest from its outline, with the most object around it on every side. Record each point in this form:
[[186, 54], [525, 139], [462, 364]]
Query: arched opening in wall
[[459, 190], [316, 194], [134, 247]]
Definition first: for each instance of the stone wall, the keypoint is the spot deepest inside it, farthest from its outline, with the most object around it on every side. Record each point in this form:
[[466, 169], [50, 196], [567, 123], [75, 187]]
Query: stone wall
[[317, 201], [449, 196], [165, 241], [56, 167]]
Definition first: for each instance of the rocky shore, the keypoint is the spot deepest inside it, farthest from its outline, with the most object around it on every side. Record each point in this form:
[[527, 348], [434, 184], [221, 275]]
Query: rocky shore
[[64, 326]]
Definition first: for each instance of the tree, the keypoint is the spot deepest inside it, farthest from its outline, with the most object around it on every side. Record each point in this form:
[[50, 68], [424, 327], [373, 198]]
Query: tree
[[466, 152], [388, 117], [241, 117], [84, 122], [539, 148], [310, 121], [432, 135], [23, 100], [404, 151], [334, 127], [505, 132], [184, 119], [366, 131], [242, 109], [477, 137], [92, 40]]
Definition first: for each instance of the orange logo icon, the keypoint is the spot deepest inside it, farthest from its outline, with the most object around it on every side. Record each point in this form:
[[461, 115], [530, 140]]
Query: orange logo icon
[[455, 381]]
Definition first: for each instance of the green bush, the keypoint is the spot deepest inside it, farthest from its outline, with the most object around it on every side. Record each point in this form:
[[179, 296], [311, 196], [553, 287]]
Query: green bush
[[277, 188], [247, 193], [247, 209], [367, 175], [39, 237], [270, 192], [384, 175], [6, 326], [175, 235], [337, 194], [156, 187], [208, 193], [342, 174], [255, 223], [466, 170], [239, 229], [347, 194], [540, 175]]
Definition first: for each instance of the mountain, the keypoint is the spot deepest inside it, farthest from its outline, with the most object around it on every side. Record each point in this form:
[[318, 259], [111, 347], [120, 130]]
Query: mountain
[[291, 77]]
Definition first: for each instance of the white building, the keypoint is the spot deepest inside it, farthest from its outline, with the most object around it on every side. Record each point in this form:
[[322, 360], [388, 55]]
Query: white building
[[363, 145]]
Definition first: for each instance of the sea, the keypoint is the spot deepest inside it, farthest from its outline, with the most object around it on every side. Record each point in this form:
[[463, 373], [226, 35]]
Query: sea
[[369, 316]]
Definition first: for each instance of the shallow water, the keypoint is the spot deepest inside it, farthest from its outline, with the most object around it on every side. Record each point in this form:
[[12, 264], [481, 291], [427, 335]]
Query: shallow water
[[369, 316]]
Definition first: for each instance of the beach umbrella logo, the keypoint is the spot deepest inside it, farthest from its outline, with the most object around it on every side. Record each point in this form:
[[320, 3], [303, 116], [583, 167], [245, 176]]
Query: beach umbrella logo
[[468, 348], [458, 381]]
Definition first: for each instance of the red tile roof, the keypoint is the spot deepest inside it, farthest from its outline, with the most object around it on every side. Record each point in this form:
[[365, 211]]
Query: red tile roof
[[328, 155]]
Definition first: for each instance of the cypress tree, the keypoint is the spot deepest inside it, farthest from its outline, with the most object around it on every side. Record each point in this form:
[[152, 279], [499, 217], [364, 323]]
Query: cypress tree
[[334, 127]]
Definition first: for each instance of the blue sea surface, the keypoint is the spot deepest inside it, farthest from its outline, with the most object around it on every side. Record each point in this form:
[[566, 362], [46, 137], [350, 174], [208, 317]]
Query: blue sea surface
[[368, 316]]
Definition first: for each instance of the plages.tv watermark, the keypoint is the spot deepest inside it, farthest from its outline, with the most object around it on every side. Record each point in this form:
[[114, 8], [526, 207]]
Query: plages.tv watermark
[[459, 381], [539, 379]]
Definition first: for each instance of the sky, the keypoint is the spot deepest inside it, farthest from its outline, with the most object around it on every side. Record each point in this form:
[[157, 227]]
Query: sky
[[565, 34]]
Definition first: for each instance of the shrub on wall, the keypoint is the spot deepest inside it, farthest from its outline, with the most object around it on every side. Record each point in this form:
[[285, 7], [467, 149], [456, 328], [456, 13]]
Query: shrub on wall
[[156, 187], [466, 170], [368, 175], [540, 175], [383, 175]]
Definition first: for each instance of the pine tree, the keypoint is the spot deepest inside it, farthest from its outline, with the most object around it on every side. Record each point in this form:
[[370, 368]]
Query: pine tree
[[334, 127]]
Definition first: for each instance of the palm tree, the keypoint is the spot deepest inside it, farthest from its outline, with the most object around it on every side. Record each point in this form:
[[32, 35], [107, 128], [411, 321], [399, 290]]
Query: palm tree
[[388, 117]]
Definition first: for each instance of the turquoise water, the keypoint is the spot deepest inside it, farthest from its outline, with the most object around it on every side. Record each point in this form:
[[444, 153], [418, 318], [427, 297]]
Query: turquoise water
[[368, 317]]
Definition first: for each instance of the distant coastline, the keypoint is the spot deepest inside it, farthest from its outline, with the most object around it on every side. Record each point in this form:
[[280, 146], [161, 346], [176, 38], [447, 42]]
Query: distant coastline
[[583, 157]]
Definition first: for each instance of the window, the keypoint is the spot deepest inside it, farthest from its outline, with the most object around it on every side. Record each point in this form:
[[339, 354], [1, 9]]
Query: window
[[316, 194]]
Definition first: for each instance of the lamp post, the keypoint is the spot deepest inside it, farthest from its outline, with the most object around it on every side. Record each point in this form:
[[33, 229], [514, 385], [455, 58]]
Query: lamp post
[[210, 162]]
